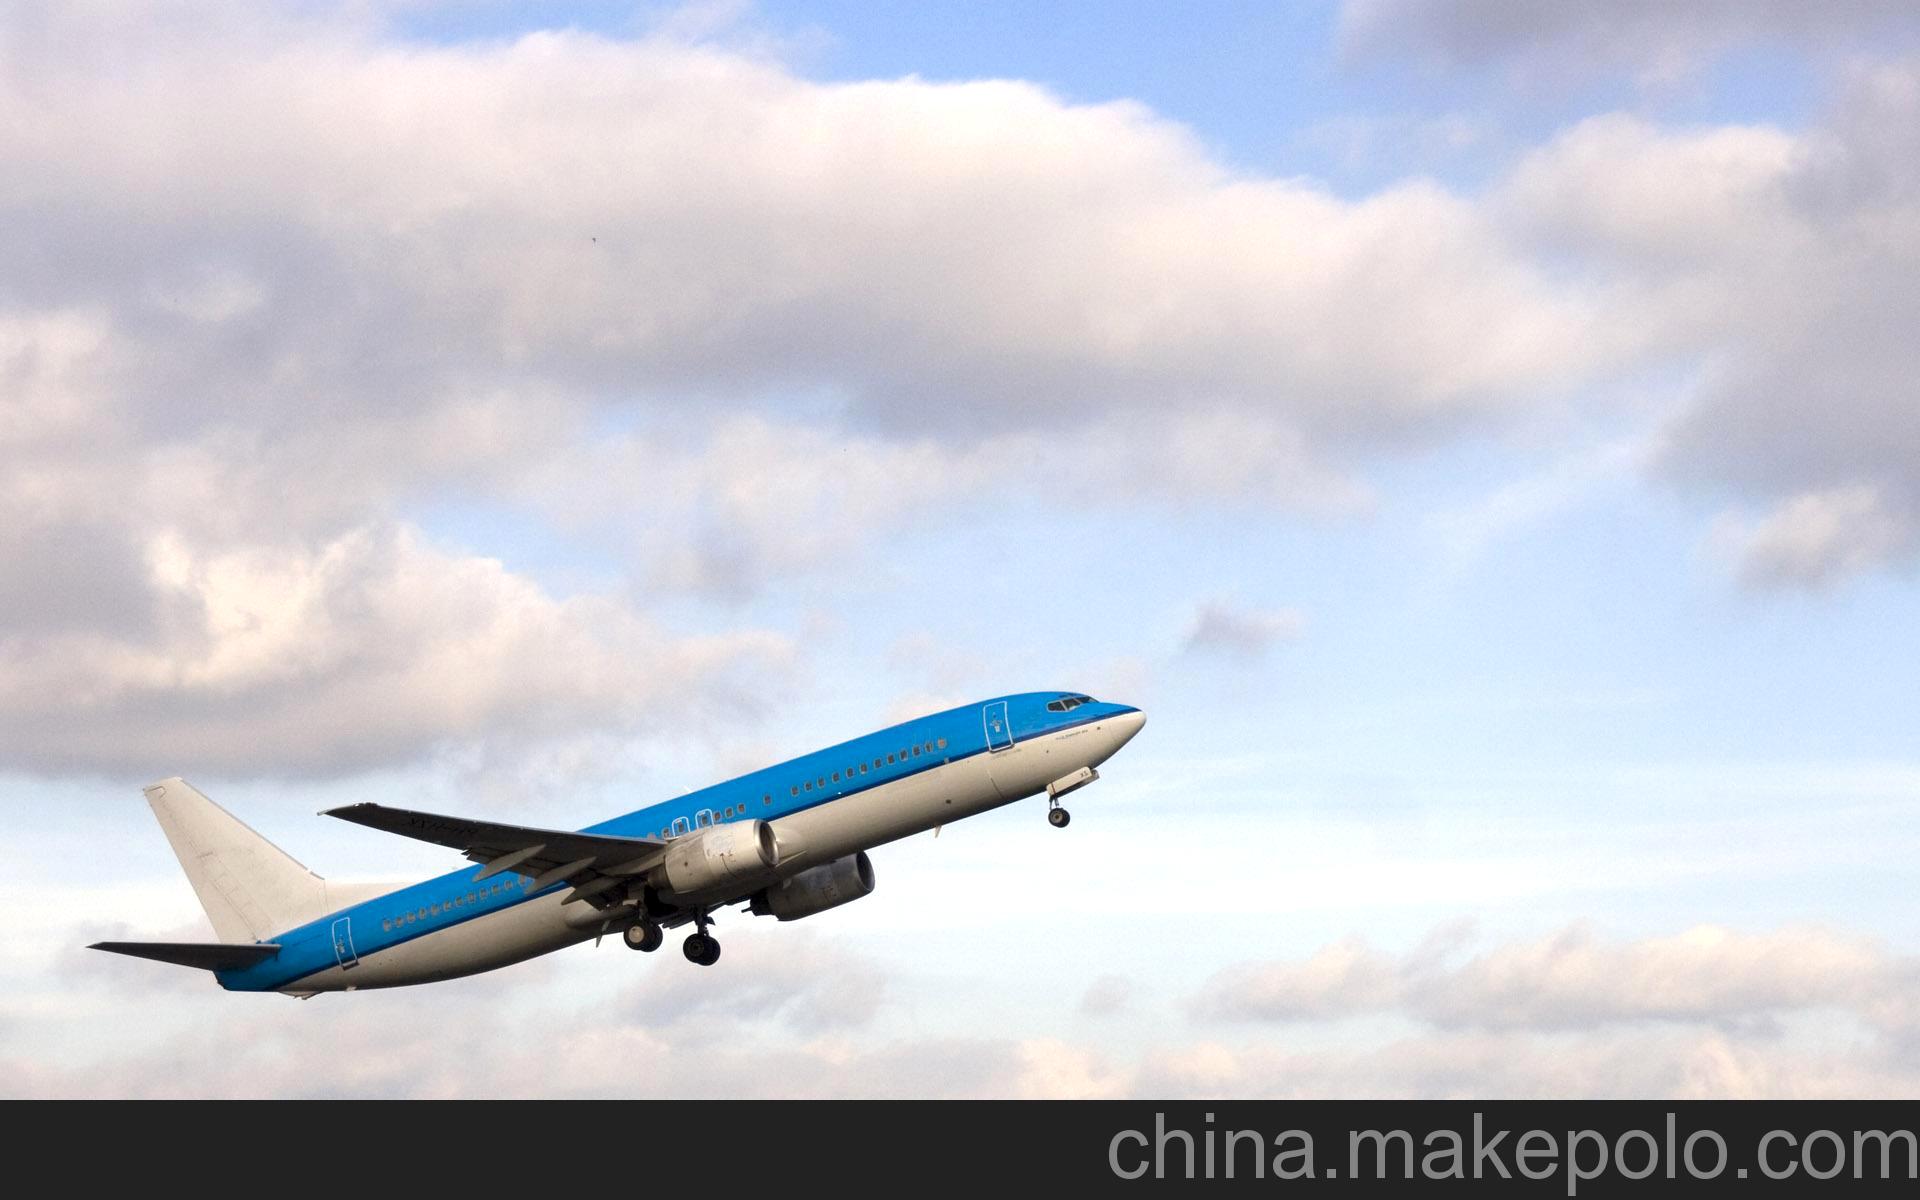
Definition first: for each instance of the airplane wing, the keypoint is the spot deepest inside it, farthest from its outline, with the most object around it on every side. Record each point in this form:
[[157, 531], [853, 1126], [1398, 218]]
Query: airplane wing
[[595, 863]]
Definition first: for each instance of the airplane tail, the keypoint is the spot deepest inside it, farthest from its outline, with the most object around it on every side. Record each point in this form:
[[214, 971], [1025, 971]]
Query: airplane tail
[[250, 887]]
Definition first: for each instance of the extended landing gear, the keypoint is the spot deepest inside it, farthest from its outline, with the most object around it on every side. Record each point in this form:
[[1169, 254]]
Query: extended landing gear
[[701, 947], [645, 936], [1058, 817]]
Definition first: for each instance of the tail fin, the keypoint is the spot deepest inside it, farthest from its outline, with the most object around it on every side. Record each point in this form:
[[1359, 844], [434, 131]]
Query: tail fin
[[250, 887]]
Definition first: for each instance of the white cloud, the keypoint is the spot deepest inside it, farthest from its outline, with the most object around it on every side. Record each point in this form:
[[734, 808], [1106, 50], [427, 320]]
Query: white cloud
[[365, 220], [1573, 980], [1566, 1016], [1779, 270], [1339, 979], [1819, 539], [369, 649]]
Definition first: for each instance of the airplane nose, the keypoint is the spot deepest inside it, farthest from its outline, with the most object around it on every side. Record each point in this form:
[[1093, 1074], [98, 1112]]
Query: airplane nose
[[1130, 723]]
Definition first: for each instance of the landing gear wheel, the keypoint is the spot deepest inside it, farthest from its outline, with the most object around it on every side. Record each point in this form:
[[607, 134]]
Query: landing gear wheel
[[1058, 817], [702, 949], [645, 936]]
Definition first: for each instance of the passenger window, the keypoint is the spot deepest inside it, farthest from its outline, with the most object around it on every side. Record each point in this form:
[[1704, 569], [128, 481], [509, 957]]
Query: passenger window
[[916, 752], [863, 768], [809, 785], [796, 789], [703, 818], [942, 743], [836, 777], [386, 926], [889, 758], [469, 897]]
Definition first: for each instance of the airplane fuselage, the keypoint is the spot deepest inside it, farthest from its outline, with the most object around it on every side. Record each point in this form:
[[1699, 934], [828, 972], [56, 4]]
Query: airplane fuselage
[[821, 807]]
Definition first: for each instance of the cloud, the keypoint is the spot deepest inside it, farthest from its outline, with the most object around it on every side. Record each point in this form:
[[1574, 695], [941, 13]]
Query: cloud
[[1573, 980], [1106, 996], [1659, 40], [370, 649], [356, 220], [1626, 1064], [1820, 539], [1223, 628], [1776, 272], [805, 982], [1566, 1015]]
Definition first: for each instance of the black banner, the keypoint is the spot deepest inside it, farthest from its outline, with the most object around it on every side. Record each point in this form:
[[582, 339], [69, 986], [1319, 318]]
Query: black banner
[[1569, 1148]]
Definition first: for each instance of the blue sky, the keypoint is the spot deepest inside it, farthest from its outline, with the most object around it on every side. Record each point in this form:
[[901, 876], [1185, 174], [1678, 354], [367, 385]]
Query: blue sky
[[1463, 429]]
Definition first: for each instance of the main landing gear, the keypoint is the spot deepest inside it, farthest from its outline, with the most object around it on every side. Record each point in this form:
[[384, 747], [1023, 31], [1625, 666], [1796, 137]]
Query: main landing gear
[[701, 947], [645, 935], [1057, 816]]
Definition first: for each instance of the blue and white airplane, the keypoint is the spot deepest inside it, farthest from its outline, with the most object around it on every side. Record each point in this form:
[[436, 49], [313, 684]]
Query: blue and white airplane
[[788, 842]]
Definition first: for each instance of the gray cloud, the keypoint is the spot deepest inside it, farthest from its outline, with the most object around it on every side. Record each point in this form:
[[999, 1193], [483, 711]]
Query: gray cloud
[[1106, 996], [1659, 39], [1224, 628]]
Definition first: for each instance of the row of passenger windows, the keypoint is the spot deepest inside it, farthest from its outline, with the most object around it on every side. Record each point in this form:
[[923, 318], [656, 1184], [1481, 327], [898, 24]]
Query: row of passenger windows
[[390, 924], [1068, 704], [861, 769], [705, 818]]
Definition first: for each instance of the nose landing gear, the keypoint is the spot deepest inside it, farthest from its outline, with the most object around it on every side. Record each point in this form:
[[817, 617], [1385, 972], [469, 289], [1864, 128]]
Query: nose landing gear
[[1057, 816]]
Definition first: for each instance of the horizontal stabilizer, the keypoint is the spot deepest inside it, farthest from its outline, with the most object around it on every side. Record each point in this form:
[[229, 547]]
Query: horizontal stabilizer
[[208, 956]]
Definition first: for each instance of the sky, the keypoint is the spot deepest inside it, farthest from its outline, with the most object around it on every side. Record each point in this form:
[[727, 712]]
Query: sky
[[1482, 436]]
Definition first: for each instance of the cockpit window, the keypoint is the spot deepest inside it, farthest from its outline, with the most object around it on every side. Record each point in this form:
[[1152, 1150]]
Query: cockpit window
[[1068, 703]]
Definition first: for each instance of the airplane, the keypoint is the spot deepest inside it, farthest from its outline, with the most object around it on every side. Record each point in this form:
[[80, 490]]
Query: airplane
[[789, 841]]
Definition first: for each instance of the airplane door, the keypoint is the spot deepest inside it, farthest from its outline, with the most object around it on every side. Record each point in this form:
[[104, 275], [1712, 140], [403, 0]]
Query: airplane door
[[999, 732], [343, 944]]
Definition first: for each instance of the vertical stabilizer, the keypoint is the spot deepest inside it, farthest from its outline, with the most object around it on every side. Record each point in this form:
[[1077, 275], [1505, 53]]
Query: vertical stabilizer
[[250, 887]]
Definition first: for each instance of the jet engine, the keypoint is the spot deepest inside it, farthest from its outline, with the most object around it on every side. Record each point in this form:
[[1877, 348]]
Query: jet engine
[[718, 856], [817, 889]]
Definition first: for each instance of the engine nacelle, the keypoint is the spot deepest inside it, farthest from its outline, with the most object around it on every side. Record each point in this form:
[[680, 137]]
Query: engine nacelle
[[717, 856], [817, 889]]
